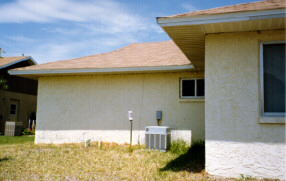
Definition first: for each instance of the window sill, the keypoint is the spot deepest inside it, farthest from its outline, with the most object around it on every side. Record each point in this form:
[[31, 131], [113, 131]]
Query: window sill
[[272, 120], [192, 100]]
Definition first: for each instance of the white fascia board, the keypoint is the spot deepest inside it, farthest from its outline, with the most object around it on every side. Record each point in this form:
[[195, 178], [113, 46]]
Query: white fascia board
[[101, 70], [222, 18], [31, 58], [21, 60]]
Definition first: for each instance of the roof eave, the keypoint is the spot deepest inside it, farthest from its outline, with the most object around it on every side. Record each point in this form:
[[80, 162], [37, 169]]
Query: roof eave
[[32, 62], [189, 32], [221, 18], [43, 73]]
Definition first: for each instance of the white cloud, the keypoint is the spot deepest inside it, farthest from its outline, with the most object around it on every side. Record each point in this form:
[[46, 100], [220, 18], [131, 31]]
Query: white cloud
[[75, 28], [188, 7], [21, 39], [52, 52], [55, 50], [110, 15], [64, 31]]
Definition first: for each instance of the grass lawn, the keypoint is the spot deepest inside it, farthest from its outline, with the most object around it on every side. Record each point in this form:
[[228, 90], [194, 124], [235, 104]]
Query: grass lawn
[[20, 159], [4, 140]]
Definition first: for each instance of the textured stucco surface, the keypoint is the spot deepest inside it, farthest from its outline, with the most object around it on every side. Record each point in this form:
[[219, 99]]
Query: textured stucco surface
[[236, 141], [116, 136], [70, 106], [27, 105]]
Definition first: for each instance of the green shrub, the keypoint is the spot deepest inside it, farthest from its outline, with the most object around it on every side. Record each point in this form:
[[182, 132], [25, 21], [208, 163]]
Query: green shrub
[[199, 143], [244, 177], [28, 132], [179, 147]]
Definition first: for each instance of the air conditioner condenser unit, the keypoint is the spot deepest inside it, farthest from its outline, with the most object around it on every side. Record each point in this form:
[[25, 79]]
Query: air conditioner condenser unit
[[13, 128], [157, 137]]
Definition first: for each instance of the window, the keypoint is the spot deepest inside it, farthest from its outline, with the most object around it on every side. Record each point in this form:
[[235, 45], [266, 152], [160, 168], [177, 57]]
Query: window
[[13, 108], [192, 88], [273, 79]]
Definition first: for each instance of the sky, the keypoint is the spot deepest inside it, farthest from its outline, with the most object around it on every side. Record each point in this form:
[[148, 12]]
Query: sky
[[52, 30]]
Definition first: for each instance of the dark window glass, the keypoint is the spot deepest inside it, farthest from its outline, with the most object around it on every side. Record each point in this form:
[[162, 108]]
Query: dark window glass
[[13, 109], [200, 87], [188, 87], [274, 77]]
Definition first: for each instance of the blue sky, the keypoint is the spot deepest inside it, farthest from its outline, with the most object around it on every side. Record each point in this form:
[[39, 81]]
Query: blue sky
[[51, 30]]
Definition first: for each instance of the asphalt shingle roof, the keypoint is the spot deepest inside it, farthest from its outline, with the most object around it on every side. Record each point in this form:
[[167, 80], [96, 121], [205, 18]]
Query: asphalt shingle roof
[[154, 54], [9, 60], [253, 6]]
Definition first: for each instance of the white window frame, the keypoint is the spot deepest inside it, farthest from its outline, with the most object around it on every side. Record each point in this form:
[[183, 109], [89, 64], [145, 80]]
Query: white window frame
[[190, 97], [267, 114]]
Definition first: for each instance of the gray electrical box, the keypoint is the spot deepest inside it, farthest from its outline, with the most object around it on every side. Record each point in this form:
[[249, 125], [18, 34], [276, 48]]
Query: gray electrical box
[[158, 115]]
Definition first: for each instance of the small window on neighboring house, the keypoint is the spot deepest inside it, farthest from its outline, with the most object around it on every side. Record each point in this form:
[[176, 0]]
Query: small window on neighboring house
[[273, 78], [192, 88], [13, 108]]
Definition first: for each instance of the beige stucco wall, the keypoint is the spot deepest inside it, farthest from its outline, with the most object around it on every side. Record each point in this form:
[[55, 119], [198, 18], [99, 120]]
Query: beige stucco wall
[[73, 108], [27, 105], [236, 142]]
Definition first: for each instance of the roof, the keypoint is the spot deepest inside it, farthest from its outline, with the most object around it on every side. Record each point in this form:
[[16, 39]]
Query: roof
[[8, 61], [188, 30], [253, 6], [155, 56], [164, 53]]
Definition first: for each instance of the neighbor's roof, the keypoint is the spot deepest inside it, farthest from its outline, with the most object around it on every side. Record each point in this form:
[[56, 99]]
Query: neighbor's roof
[[8, 61], [155, 54], [253, 6]]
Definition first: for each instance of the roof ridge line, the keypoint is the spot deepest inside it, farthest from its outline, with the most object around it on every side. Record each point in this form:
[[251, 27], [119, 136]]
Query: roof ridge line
[[117, 50]]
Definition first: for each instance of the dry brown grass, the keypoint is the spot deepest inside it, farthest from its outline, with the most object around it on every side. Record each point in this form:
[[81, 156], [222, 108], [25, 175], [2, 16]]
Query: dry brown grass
[[26, 161]]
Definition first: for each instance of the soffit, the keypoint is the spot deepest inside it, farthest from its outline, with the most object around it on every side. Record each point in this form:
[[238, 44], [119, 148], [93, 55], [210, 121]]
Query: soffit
[[191, 38]]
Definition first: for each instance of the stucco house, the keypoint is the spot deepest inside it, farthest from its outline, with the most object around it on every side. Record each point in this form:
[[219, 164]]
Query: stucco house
[[19, 101], [239, 109], [242, 50], [89, 97]]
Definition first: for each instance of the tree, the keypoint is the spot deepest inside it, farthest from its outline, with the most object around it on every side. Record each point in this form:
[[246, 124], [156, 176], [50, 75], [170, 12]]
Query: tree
[[3, 81], [1, 51]]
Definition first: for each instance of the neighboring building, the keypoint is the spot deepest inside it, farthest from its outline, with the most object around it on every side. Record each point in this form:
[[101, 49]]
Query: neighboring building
[[240, 50], [89, 97], [19, 101]]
